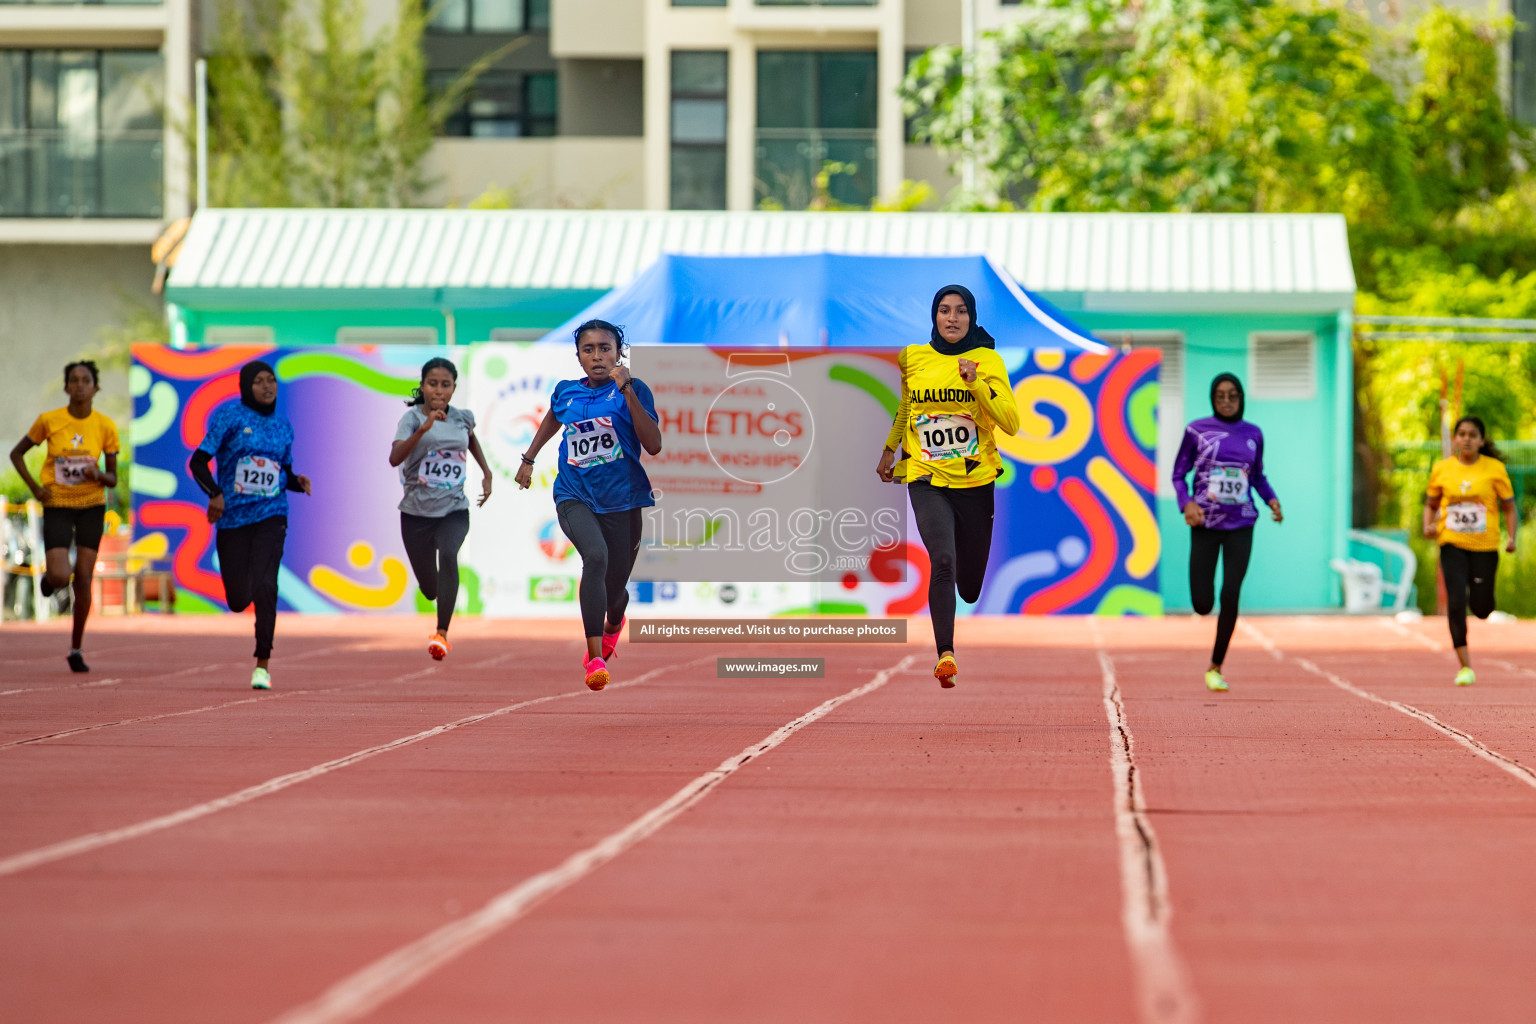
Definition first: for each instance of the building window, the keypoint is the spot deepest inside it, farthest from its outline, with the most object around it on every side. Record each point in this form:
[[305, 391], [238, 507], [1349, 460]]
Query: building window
[[486, 17], [698, 129], [81, 133], [1522, 52], [699, 3], [815, 114], [504, 105]]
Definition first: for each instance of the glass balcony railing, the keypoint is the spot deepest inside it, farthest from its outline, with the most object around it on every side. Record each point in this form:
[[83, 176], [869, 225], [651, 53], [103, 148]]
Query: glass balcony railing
[[82, 174]]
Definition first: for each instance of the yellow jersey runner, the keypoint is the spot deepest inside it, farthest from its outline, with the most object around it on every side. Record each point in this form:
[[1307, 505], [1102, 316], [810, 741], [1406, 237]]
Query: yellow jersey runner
[[944, 425]]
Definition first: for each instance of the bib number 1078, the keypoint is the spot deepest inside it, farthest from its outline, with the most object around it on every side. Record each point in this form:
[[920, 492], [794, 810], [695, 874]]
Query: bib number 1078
[[592, 442]]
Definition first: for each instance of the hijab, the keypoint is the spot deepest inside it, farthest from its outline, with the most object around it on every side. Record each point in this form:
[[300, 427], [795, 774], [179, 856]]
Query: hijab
[[248, 374], [1230, 378], [976, 337]]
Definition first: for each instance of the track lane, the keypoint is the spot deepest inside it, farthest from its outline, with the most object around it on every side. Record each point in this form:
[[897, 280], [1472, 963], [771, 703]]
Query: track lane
[[1330, 858]]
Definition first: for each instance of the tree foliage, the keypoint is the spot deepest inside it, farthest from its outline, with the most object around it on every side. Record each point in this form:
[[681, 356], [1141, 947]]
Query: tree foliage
[[308, 110], [1225, 105]]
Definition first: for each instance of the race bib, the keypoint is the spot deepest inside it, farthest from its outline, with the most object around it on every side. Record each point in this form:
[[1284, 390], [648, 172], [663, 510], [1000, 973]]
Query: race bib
[[947, 437], [259, 477], [443, 470], [70, 470], [592, 442], [1467, 517], [1228, 485]]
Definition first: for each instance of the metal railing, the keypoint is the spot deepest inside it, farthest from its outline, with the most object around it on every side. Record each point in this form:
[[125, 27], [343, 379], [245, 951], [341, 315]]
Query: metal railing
[[58, 173]]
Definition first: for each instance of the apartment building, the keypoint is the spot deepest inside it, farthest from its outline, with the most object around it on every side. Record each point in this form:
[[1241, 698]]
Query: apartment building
[[90, 172]]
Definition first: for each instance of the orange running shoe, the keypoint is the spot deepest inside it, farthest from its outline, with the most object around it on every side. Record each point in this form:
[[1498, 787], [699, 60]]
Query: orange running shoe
[[611, 640], [946, 670], [438, 646], [597, 673]]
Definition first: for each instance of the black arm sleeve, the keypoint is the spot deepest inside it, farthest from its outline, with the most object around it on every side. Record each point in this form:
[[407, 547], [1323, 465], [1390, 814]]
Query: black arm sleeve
[[200, 473], [293, 481]]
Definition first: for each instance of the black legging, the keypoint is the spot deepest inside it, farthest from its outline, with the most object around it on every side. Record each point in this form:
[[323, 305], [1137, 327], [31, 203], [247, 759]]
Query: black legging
[[608, 543], [1466, 571], [249, 558], [956, 526], [1234, 547], [432, 544]]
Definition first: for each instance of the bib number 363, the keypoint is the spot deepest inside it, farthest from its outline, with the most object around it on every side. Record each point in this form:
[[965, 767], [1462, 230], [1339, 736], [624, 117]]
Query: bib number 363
[[592, 442], [442, 470], [257, 476], [947, 437], [1228, 485], [1467, 517]]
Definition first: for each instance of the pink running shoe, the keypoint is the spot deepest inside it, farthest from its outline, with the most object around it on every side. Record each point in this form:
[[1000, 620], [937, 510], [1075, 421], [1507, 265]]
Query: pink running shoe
[[611, 640], [597, 673]]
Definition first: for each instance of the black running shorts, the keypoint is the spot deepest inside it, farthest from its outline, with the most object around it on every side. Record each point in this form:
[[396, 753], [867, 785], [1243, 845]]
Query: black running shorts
[[83, 526]]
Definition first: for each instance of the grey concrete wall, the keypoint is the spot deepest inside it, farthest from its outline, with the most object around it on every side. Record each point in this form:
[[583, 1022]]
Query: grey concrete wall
[[57, 300]]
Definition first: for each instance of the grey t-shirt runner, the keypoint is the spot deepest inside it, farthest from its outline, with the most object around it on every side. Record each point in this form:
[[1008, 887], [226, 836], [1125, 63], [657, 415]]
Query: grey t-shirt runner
[[433, 474]]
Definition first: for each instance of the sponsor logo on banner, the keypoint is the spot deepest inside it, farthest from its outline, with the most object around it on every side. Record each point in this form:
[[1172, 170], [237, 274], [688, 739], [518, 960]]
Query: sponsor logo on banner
[[552, 588]]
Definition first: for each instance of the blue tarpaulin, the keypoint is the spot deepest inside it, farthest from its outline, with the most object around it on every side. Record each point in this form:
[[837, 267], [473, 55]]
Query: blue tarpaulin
[[821, 300]]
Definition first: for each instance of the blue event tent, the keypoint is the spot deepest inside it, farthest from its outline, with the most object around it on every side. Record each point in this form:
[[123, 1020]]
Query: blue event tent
[[821, 299]]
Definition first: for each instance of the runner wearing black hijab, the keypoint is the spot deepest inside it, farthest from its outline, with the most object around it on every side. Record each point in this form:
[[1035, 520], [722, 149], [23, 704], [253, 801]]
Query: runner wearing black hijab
[[1226, 453], [954, 394], [253, 446]]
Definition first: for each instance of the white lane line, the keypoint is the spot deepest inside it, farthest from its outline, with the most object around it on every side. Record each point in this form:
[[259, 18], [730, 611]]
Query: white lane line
[[373, 986], [174, 675], [1510, 666], [96, 840], [1164, 994], [268, 698], [1412, 634], [1493, 757]]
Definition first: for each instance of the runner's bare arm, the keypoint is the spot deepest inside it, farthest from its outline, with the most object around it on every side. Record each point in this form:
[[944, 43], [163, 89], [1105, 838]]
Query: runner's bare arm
[[547, 429], [107, 476], [1512, 519], [23, 446], [485, 469], [401, 450], [1431, 514], [646, 429]]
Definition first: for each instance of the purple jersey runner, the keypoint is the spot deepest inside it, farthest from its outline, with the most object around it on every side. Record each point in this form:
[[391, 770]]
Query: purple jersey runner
[[1228, 460]]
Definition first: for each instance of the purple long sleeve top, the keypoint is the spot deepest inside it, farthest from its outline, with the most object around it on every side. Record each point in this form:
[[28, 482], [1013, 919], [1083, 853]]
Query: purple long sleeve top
[[1228, 460]]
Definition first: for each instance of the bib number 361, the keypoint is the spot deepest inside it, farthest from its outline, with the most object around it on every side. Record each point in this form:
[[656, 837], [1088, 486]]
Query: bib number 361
[[70, 470], [592, 442], [257, 476]]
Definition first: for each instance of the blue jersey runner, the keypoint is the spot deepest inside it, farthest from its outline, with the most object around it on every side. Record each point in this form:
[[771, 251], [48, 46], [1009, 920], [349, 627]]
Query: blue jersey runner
[[599, 449]]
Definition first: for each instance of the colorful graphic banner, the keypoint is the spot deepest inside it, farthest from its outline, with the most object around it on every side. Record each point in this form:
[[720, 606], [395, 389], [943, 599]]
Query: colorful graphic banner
[[1075, 530]]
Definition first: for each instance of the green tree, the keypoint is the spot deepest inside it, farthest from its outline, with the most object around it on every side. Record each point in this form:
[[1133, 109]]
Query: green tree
[[1224, 105], [308, 110]]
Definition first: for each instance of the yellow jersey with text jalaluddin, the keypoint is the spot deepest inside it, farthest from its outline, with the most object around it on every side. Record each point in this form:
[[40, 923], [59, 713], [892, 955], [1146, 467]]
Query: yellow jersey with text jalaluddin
[[945, 425]]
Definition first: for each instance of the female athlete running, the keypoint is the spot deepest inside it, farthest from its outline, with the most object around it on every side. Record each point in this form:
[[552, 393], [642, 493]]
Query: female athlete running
[[1461, 509], [954, 394], [431, 447], [73, 490], [1227, 454], [253, 446], [607, 417]]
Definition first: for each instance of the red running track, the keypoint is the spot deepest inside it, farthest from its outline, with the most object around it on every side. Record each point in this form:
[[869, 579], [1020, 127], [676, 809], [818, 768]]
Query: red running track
[[1078, 832]]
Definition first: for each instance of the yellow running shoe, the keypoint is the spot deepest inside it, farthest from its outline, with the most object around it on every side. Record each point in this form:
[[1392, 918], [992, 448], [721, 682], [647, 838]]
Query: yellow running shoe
[[597, 673], [1214, 682], [1466, 677], [438, 646], [946, 670], [261, 679]]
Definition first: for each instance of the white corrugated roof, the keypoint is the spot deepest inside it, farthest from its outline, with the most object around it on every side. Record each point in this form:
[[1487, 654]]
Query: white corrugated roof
[[1237, 261]]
